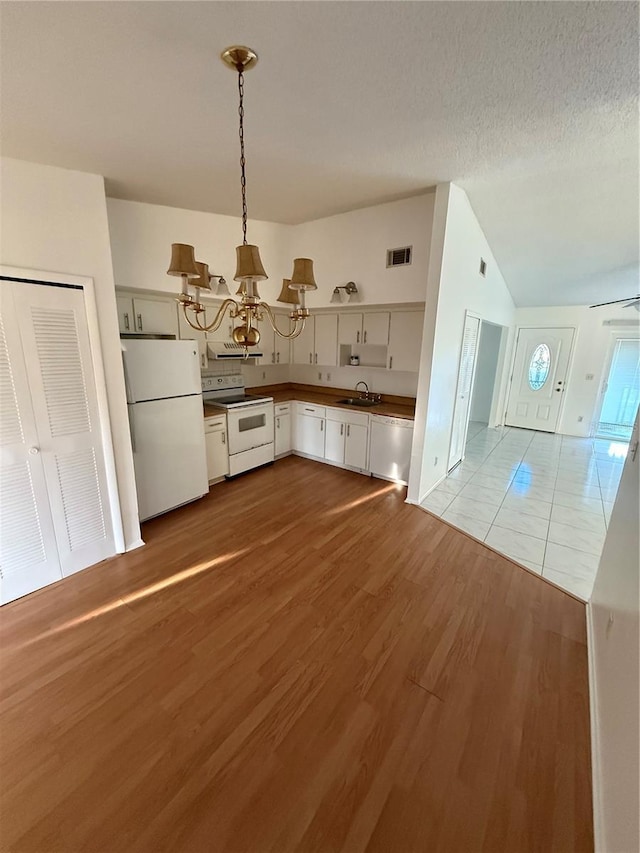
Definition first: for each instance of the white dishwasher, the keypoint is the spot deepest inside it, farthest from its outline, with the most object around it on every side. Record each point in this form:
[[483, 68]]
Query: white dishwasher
[[390, 448]]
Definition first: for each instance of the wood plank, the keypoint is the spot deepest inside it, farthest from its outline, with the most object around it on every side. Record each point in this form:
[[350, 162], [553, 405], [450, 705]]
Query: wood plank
[[345, 673]]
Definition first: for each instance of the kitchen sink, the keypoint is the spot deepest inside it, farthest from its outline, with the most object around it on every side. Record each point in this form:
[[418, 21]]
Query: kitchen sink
[[358, 401]]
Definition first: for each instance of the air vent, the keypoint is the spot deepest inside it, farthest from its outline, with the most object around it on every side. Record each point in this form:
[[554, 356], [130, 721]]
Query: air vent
[[483, 267], [399, 257]]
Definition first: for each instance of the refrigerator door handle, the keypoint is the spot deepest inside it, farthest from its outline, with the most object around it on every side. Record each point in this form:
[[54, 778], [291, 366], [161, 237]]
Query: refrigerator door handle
[[127, 383], [132, 428]]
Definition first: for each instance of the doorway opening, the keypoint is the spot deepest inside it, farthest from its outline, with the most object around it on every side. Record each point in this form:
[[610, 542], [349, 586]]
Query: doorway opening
[[621, 393], [484, 383], [479, 378]]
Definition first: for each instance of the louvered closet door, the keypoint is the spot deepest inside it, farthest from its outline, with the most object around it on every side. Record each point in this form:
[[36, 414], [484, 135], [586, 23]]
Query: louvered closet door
[[28, 548], [59, 369]]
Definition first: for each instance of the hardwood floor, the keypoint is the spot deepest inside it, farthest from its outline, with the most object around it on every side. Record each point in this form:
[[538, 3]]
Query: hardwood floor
[[349, 674]]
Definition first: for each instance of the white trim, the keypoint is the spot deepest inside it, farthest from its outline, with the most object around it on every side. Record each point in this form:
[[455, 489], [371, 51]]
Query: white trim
[[595, 742], [91, 312]]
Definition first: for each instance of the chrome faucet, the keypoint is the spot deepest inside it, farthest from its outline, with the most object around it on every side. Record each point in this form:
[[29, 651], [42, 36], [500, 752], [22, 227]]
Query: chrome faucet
[[366, 393]]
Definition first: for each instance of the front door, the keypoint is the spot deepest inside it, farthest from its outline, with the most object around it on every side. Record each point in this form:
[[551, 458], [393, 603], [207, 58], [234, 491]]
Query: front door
[[539, 378]]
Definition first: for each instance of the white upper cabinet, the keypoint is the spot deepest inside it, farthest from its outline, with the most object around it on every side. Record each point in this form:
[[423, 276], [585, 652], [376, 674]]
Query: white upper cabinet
[[326, 340], [405, 340], [350, 329], [375, 329], [358, 329], [147, 316], [303, 351]]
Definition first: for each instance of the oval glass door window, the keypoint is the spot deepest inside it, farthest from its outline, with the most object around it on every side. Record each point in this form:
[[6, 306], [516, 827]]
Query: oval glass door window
[[539, 367]]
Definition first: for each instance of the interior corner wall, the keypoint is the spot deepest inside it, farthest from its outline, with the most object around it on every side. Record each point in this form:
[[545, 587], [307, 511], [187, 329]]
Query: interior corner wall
[[353, 247], [589, 361], [614, 663], [55, 220], [454, 286]]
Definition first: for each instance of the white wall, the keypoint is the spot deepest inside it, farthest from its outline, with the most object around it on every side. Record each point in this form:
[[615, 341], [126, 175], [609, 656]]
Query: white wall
[[591, 348], [454, 286], [614, 639], [142, 234], [55, 220], [486, 372], [353, 247]]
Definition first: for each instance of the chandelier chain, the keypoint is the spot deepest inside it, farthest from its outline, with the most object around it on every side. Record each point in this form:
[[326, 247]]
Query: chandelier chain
[[243, 177]]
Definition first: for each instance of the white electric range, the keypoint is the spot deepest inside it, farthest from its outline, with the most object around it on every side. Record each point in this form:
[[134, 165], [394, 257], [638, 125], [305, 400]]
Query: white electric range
[[249, 421]]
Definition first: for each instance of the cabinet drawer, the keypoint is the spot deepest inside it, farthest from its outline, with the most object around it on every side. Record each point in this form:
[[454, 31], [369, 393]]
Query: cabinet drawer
[[215, 423], [345, 416], [311, 410], [281, 408]]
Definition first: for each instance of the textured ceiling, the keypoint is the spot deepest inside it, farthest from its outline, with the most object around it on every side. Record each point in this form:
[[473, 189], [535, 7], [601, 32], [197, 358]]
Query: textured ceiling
[[532, 107]]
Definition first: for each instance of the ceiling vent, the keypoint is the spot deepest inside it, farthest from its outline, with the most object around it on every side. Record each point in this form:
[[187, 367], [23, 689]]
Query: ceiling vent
[[399, 257]]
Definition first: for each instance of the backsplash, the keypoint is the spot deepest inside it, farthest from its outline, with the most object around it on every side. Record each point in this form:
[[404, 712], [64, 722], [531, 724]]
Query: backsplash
[[380, 381]]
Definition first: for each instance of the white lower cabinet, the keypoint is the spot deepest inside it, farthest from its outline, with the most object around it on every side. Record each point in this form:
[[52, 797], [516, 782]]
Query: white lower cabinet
[[308, 433], [282, 428], [346, 438], [215, 433]]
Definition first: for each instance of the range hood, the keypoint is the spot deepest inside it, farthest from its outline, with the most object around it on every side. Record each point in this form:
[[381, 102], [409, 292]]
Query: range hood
[[229, 349]]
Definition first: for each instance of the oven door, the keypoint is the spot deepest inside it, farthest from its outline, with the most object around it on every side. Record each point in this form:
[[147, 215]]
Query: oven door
[[249, 426]]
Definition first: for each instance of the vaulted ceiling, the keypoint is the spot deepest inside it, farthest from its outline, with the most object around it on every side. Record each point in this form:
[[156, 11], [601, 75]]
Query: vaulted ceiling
[[531, 107]]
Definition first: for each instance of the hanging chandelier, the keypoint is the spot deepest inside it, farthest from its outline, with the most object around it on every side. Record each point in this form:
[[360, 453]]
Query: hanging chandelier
[[249, 309]]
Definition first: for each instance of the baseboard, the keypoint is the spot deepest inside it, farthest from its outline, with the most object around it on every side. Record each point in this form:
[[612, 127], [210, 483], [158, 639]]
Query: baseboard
[[435, 486], [137, 544], [595, 743]]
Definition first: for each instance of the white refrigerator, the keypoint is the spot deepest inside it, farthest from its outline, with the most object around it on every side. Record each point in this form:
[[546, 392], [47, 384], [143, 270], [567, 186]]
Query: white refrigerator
[[164, 399]]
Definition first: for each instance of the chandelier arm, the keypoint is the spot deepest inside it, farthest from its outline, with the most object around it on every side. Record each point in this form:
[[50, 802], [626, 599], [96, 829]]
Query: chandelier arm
[[296, 331], [217, 320]]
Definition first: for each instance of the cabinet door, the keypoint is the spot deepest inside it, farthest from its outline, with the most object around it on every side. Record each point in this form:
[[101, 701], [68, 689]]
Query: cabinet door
[[355, 449], [303, 351], [350, 329], [225, 329], [217, 453], [267, 343], [376, 329], [405, 340], [126, 322], [188, 333], [334, 442], [282, 434], [155, 317], [326, 340], [309, 435]]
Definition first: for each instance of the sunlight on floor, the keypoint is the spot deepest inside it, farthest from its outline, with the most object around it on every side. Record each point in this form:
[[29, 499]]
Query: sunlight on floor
[[359, 501], [132, 597]]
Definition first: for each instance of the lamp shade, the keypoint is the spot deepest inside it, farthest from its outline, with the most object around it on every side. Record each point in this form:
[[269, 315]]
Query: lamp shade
[[286, 294], [302, 276], [203, 279], [335, 296], [248, 264], [183, 260]]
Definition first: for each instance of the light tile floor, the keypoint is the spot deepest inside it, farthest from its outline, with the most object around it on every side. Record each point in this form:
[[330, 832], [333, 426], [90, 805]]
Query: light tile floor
[[540, 498]]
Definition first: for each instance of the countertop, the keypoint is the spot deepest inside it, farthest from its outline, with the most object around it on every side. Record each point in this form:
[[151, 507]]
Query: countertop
[[397, 407]]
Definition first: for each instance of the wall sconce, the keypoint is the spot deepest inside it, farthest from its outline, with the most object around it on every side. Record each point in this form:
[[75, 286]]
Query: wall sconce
[[221, 288], [349, 288]]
